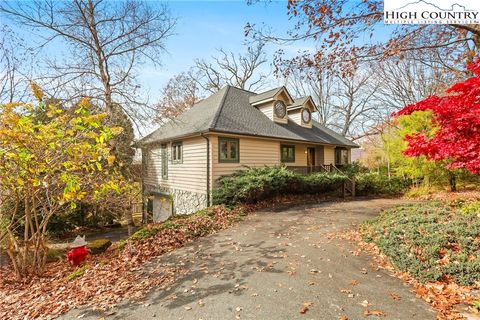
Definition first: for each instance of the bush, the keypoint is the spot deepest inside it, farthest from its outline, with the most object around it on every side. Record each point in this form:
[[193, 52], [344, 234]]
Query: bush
[[254, 184], [431, 241], [99, 246], [322, 182], [374, 183], [56, 254], [472, 208]]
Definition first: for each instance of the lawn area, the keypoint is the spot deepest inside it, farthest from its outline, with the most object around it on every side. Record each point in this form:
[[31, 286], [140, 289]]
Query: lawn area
[[433, 241]]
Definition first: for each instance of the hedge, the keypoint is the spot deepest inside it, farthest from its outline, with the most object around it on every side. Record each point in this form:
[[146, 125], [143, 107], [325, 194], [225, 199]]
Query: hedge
[[254, 184]]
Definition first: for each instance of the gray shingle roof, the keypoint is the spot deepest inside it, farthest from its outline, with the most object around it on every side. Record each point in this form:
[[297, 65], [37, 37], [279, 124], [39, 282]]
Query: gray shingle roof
[[298, 102], [229, 110], [264, 95]]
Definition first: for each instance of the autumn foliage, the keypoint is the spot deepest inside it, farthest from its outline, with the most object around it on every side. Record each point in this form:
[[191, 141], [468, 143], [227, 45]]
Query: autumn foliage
[[50, 159], [456, 119]]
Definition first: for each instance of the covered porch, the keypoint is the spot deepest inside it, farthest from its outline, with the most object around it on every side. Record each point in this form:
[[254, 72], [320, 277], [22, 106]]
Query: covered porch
[[308, 158]]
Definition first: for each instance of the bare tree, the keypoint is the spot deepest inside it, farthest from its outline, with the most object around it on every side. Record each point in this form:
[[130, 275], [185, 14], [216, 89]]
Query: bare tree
[[239, 70], [414, 78], [179, 94], [318, 84], [355, 109], [106, 42], [14, 62]]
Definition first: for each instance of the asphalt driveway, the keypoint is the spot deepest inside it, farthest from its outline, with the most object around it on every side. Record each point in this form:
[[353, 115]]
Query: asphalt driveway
[[274, 264]]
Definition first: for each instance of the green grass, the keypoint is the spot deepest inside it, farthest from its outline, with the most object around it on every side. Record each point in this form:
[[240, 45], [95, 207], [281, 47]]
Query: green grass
[[79, 272], [432, 241]]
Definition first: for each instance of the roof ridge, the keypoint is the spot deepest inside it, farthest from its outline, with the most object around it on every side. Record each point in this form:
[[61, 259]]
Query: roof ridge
[[219, 110], [243, 89]]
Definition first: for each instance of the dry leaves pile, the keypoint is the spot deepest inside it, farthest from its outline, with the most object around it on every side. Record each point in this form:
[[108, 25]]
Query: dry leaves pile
[[444, 297], [109, 277], [116, 275]]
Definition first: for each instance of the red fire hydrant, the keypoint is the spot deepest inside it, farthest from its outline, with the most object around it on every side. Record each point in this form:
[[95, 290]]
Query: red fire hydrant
[[79, 251]]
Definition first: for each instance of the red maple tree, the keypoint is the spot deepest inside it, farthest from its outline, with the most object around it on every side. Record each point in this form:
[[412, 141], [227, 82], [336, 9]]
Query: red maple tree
[[456, 117]]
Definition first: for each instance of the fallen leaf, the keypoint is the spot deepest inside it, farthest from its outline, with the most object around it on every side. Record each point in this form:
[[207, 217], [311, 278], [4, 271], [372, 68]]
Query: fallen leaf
[[305, 307], [377, 313], [395, 296]]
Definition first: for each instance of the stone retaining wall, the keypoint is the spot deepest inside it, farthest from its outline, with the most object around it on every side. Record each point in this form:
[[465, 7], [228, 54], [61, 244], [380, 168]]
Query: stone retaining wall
[[184, 202]]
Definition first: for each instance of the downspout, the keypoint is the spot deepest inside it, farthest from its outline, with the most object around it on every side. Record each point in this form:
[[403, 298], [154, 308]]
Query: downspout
[[208, 168]]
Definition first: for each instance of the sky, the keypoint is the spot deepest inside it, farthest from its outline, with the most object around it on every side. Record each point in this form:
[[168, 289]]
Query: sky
[[202, 28], [205, 26]]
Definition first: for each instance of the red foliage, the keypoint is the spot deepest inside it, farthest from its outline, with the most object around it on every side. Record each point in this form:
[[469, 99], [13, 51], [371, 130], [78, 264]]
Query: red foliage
[[457, 118]]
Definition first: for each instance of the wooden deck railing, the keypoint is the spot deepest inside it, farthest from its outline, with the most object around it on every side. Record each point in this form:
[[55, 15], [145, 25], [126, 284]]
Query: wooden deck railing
[[312, 169]]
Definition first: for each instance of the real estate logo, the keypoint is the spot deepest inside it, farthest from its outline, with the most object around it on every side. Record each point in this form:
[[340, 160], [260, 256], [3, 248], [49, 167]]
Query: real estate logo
[[431, 12]]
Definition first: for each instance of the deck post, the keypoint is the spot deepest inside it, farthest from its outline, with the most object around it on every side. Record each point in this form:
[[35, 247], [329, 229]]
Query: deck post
[[353, 187]]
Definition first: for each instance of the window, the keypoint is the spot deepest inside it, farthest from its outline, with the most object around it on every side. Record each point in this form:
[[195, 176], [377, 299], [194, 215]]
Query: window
[[306, 115], [177, 152], [164, 156], [341, 156], [280, 109], [287, 153], [145, 161], [228, 150]]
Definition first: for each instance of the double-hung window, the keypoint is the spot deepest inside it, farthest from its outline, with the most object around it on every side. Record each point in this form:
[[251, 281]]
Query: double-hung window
[[177, 152], [164, 157], [228, 150], [341, 156], [287, 153]]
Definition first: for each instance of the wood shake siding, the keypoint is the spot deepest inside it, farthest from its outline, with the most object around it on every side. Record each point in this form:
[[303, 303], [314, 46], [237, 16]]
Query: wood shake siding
[[254, 152], [189, 175]]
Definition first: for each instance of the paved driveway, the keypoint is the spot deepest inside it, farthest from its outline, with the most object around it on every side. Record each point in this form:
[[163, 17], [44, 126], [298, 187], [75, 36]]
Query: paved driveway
[[269, 265]]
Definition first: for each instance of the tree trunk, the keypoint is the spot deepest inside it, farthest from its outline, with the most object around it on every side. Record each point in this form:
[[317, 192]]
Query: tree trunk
[[129, 217], [453, 182]]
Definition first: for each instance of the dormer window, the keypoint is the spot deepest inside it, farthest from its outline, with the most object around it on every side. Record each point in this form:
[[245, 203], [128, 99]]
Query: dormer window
[[306, 115], [280, 109], [273, 103]]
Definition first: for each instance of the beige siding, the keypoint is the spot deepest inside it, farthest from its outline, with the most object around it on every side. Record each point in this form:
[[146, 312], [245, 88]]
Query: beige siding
[[190, 175], [295, 116], [329, 155], [253, 152], [267, 109], [300, 155]]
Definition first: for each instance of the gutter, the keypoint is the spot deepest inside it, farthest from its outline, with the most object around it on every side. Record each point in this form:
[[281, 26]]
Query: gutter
[[208, 168]]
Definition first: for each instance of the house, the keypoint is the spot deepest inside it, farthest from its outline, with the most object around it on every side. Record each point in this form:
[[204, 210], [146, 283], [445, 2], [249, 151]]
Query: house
[[223, 133]]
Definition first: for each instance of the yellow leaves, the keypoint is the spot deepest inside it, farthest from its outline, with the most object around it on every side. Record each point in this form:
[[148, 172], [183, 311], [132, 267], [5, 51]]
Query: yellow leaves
[[53, 111], [20, 182], [110, 160], [116, 130], [84, 103], [37, 91]]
